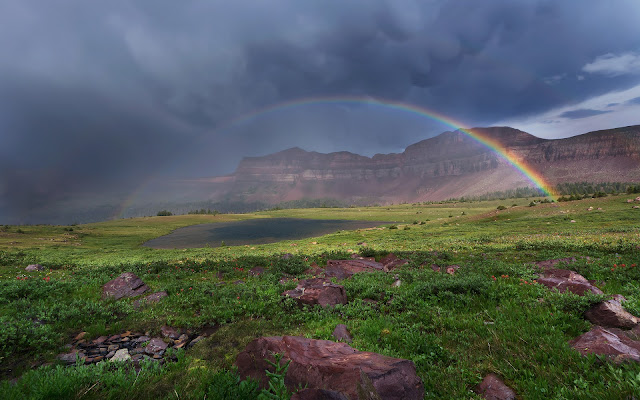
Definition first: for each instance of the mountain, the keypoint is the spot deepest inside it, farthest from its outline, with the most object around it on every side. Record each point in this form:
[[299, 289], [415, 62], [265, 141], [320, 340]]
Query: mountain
[[452, 164]]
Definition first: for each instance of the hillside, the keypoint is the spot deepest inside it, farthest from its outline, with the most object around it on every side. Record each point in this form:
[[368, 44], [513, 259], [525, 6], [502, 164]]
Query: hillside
[[451, 164]]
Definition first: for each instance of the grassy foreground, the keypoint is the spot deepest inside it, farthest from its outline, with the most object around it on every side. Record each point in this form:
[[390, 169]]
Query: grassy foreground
[[456, 329]]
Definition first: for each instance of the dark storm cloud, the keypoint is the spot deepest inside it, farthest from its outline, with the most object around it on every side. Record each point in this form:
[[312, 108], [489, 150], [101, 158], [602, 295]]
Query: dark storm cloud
[[100, 96], [581, 113]]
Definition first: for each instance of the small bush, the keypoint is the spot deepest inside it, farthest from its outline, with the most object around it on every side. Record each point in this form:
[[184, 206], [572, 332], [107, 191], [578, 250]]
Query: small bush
[[164, 213]]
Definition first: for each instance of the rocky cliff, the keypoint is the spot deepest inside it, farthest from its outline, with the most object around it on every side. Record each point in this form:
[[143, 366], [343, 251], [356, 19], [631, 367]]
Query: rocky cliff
[[452, 164]]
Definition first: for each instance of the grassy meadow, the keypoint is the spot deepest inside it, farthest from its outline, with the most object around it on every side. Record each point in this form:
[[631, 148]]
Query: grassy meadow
[[456, 329]]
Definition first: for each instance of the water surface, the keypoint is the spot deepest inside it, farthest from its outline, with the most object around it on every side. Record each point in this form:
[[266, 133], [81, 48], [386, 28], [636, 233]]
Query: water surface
[[253, 231]]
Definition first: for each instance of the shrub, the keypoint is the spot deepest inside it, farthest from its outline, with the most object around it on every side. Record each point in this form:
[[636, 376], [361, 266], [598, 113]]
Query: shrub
[[501, 207], [164, 213]]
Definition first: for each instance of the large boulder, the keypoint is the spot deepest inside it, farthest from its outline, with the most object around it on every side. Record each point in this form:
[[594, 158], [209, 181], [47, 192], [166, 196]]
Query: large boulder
[[607, 342], [319, 291], [323, 364], [343, 269], [611, 314], [126, 285], [492, 388], [567, 281], [34, 267]]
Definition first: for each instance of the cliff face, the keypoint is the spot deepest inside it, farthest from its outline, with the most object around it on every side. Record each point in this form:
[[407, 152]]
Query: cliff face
[[452, 164]]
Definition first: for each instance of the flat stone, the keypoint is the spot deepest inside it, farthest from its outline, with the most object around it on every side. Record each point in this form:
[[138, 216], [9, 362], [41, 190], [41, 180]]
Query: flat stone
[[170, 332], [256, 271], [113, 347], [611, 314], [34, 267], [607, 342], [492, 388], [100, 340], [391, 261], [323, 364], [70, 358], [552, 263], [196, 340], [125, 285], [121, 355], [318, 291], [143, 339], [110, 354], [341, 333], [156, 346], [318, 394], [150, 299], [344, 269], [567, 281]]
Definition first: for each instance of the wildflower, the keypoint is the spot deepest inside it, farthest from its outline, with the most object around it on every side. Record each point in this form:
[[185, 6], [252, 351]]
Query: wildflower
[[182, 290]]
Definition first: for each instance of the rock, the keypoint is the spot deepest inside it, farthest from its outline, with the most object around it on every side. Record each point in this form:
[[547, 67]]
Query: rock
[[155, 346], [636, 207], [607, 342], [314, 270], [99, 340], [150, 299], [435, 267], [492, 388], [80, 336], [397, 283], [256, 271], [341, 333], [126, 285], [169, 332], [70, 358], [318, 291], [143, 339], [391, 261], [286, 256], [323, 364], [567, 281], [552, 263], [121, 355], [318, 394], [611, 314], [34, 267], [196, 340], [343, 269]]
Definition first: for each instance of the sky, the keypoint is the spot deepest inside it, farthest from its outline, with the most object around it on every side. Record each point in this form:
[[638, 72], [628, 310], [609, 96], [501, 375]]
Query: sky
[[101, 97]]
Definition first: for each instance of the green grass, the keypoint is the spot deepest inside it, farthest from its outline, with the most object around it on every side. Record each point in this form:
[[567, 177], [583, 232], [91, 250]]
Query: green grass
[[454, 328]]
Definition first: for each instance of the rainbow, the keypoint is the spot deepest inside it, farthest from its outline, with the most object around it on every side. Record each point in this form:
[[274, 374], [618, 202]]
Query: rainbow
[[529, 173]]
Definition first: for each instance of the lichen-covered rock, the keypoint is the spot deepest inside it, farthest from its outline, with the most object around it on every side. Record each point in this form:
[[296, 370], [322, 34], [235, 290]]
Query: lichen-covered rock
[[126, 285], [318, 291], [607, 342], [492, 388], [611, 314], [567, 281], [34, 267], [343, 269], [323, 364], [341, 333]]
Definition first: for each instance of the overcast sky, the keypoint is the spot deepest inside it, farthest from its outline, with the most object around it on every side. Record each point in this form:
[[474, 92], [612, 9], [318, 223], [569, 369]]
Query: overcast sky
[[104, 95]]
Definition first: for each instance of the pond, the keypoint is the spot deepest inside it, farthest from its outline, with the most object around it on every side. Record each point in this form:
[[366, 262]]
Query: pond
[[253, 231]]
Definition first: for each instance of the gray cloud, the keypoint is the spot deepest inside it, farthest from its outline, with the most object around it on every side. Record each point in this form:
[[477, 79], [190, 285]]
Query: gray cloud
[[633, 101], [581, 113], [100, 97]]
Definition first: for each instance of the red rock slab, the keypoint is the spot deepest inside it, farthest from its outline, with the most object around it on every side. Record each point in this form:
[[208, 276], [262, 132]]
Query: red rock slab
[[552, 263], [341, 333], [611, 314], [318, 394], [156, 347], [567, 281], [323, 364], [343, 269], [319, 291], [257, 271], [492, 388], [126, 285], [170, 332], [391, 261], [611, 343]]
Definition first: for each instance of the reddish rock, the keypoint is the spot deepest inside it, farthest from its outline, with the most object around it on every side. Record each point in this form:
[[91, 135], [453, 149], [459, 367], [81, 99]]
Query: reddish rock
[[451, 269], [155, 346], [391, 261], [318, 291], [343, 269], [314, 270], [567, 281], [341, 333], [331, 366], [552, 263], [611, 314], [70, 358], [126, 285], [100, 340], [150, 299], [170, 332], [318, 394], [256, 271], [492, 388], [34, 267], [608, 342]]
